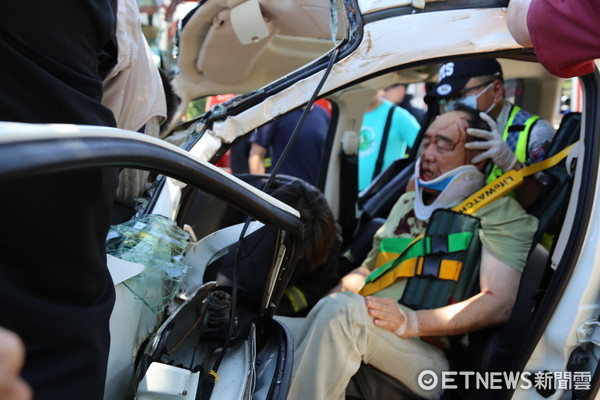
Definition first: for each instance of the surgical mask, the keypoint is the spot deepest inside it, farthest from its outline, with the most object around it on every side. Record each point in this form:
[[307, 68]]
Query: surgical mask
[[454, 186], [469, 101]]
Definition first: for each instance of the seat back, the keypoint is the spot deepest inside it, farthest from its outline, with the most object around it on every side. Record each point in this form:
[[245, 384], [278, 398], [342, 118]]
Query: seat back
[[552, 199], [494, 349], [257, 256], [375, 203], [194, 203]]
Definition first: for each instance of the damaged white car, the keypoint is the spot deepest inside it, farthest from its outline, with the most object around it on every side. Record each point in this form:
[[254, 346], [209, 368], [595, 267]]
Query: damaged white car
[[222, 274]]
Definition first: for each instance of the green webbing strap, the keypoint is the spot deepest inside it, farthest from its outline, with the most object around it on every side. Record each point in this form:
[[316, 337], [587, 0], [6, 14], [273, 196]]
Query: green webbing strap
[[420, 247]]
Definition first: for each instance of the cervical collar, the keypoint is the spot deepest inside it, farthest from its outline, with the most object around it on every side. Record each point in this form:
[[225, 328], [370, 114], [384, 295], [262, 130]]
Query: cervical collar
[[454, 186]]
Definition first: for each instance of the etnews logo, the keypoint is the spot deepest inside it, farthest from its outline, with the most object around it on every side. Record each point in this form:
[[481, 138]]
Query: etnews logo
[[580, 380]]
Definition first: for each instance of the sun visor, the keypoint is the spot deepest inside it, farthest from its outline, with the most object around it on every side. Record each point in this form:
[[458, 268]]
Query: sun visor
[[219, 47], [248, 23], [225, 59], [239, 46]]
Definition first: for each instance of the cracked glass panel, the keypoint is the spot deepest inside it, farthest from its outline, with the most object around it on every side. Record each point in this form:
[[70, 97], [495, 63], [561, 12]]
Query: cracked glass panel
[[158, 244]]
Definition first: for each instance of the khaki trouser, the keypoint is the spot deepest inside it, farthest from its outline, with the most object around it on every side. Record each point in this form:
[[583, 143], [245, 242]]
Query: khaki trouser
[[337, 335]]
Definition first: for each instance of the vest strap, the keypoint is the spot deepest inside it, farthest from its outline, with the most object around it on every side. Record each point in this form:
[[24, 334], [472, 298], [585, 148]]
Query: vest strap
[[400, 249], [447, 269], [507, 183]]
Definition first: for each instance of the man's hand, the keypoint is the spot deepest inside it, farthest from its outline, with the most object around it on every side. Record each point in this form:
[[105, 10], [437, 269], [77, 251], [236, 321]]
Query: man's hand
[[388, 315], [494, 146], [12, 356]]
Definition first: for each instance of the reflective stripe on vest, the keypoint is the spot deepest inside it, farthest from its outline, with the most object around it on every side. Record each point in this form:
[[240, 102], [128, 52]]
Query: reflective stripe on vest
[[516, 135], [296, 298]]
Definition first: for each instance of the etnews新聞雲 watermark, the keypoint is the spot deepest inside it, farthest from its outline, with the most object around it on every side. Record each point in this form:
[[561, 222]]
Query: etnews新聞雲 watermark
[[567, 380]]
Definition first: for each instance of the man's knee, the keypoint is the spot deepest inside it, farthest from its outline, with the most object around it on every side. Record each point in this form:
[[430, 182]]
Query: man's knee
[[341, 306]]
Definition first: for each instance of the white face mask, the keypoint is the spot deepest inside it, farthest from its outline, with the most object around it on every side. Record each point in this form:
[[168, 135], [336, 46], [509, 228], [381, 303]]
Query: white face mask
[[469, 101], [454, 186]]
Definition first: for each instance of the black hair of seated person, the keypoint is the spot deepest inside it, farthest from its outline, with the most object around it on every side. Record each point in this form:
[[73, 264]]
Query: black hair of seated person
[[473, 119], [476, 122], [319, 225], [316, 272], [172, 99]]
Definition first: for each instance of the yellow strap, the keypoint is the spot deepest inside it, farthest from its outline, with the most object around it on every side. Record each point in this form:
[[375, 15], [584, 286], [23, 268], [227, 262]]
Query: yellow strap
[[385, 257], [449, 270], [507, 183], [387, 266], [214, 374]]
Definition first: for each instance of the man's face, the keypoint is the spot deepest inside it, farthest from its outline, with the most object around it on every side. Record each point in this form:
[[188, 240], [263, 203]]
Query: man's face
[[485, 94], [443, 146], [395, 94]]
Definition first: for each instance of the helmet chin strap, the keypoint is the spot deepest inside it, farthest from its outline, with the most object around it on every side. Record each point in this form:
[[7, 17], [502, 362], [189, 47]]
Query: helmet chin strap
[[454, 186]]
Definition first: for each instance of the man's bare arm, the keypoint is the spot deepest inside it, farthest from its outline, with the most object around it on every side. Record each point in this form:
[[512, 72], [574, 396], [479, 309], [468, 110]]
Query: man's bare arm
[[491, 306], [256, 159], [352, 281]]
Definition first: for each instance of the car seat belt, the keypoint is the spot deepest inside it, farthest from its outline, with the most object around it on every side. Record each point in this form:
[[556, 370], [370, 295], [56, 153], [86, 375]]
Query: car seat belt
[[410, 266], [348, 183], [384, 140]]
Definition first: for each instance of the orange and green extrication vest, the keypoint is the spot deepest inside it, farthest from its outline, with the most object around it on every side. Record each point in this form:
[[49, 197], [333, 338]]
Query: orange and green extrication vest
[[441, 266]]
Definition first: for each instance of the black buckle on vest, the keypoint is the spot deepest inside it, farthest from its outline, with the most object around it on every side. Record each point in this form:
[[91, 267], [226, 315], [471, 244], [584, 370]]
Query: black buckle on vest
[[431, 267], [439, 244]]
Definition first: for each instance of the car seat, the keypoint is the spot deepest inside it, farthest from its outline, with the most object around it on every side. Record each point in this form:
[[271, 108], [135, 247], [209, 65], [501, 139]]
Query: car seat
[[374, 203], [494, 349]]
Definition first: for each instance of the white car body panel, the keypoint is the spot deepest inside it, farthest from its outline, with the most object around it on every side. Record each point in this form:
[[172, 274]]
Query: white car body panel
[[579, 302], [457, 28], [370, 6]]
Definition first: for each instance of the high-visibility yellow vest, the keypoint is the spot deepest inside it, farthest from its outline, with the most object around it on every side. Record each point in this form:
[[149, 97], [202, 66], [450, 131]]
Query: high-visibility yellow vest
[[516, 135]]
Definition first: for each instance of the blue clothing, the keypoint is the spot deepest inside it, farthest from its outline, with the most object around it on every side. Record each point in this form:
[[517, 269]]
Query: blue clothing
[[304, 157], [403, 132]]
